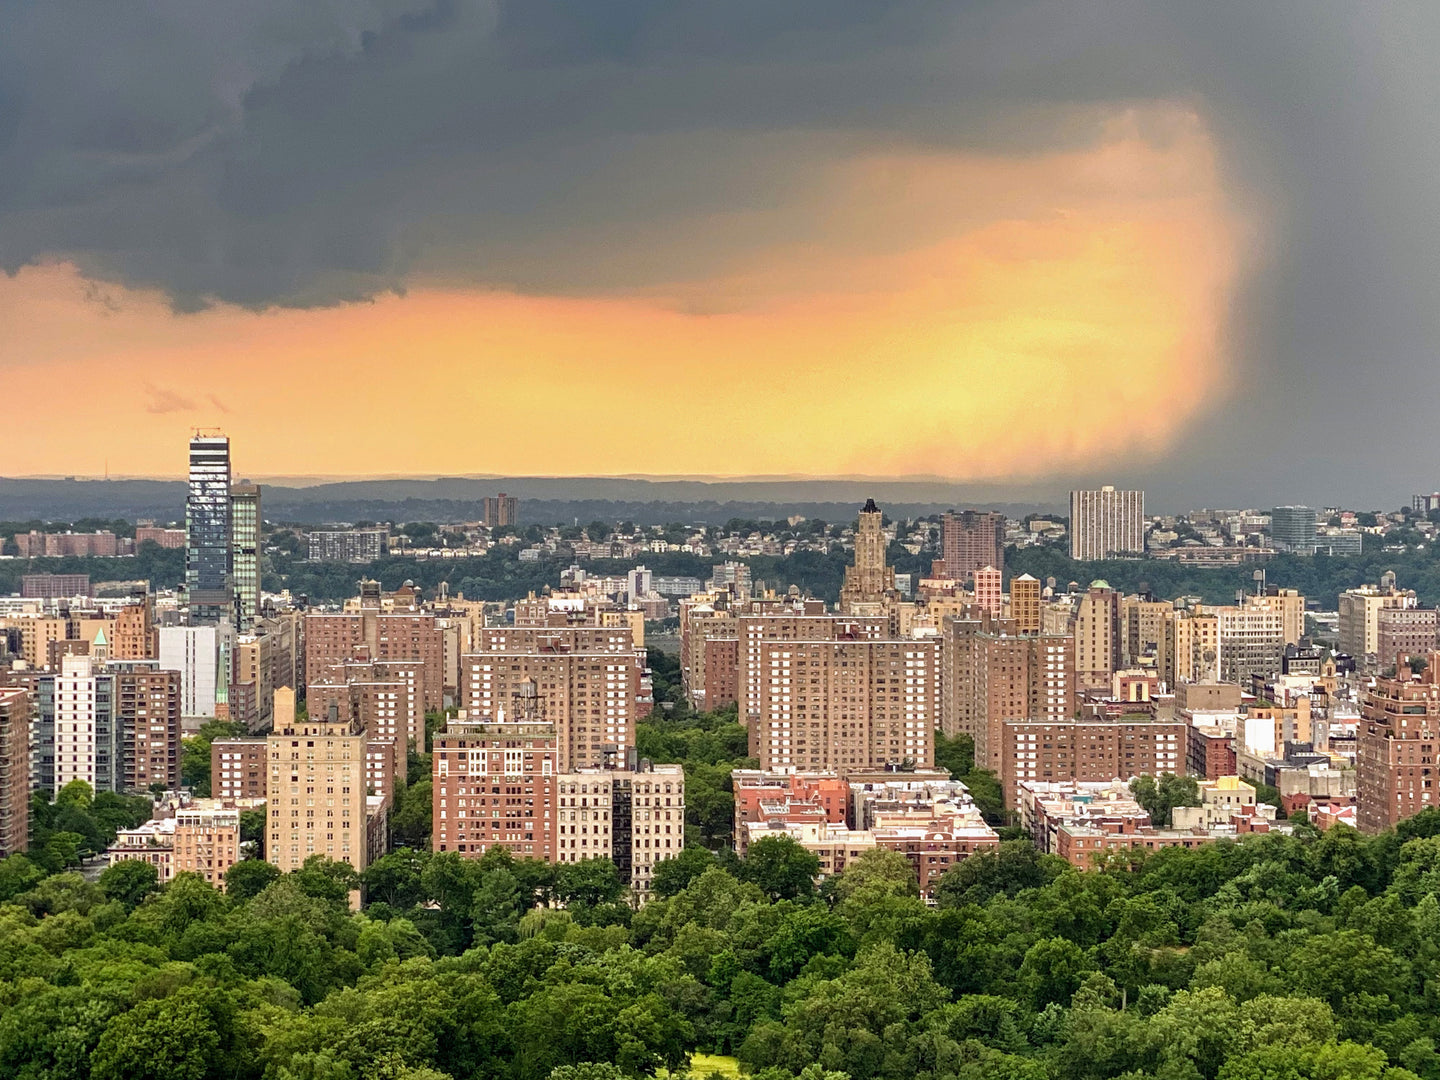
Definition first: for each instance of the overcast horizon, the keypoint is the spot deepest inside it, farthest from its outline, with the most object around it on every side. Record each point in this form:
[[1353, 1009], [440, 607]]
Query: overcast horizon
[[1013, 247]]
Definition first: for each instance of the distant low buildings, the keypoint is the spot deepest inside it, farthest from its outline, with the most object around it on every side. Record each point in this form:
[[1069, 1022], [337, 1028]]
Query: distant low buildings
[[924, 816], [187, 836], [85, 545], [1085, 821], [54, 586]]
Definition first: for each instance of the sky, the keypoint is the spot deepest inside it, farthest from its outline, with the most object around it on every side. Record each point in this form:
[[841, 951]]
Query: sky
[[1187, 246]]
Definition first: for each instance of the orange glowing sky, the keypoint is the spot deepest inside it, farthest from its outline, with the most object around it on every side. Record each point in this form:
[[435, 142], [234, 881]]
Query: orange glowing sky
[[974, 317]]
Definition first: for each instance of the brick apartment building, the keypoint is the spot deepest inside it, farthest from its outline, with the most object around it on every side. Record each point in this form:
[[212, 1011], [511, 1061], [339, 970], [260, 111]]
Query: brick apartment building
[[14, 770], [494, 786], [147, 703], [376, 634], [993, 674], [1395, 763], [237, 768], [972, 540], [1089, 750], [498, 784], [1404, 632], [584, 680], [846, 703]]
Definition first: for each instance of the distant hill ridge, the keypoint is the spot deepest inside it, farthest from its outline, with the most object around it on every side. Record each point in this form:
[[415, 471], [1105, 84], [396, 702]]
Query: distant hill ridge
[[543, 499]]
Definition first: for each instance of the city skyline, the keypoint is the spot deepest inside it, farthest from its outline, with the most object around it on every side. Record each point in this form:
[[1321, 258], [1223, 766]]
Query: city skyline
[[654, 539]]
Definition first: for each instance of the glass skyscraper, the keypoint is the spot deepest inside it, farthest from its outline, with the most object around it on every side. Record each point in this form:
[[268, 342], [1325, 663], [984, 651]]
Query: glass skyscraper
[[1293, 528], [207, 530], [245, 553]]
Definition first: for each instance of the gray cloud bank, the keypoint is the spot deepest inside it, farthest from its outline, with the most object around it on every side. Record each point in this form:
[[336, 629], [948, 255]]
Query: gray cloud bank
[[313, 153]]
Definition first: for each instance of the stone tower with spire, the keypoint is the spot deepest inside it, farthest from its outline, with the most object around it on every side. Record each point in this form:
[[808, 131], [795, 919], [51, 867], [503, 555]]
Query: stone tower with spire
[[869, 583]]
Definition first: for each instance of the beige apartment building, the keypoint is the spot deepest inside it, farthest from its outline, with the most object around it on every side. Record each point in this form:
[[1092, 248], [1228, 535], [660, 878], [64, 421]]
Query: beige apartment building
[[252, 693], [1098, 651], [1142, 628], [1289, 604], [1107, 524], [635, 818], [1190, 651], [1250, 641], [848, 703], [1359, 609], [37, 632], [315, 791]]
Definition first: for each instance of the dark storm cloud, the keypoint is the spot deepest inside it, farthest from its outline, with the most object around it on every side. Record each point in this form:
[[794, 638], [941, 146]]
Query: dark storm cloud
[[307, 154]]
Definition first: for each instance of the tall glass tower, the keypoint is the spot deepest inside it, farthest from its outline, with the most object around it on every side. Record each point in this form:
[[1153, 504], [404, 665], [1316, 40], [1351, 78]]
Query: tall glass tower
[[245, 553], [207, 530]]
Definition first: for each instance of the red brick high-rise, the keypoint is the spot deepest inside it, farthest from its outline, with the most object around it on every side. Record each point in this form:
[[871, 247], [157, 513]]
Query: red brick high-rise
[[846, 703], [1395, 764], [332, 639], [971, 541], [585, 680], [1090, 749], [494, 786], [993, 674], [237, 768], [147, 707], [385, 697]]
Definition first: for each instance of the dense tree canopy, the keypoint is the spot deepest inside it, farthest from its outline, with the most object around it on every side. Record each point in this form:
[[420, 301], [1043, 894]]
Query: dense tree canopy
[[1271, 958]]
